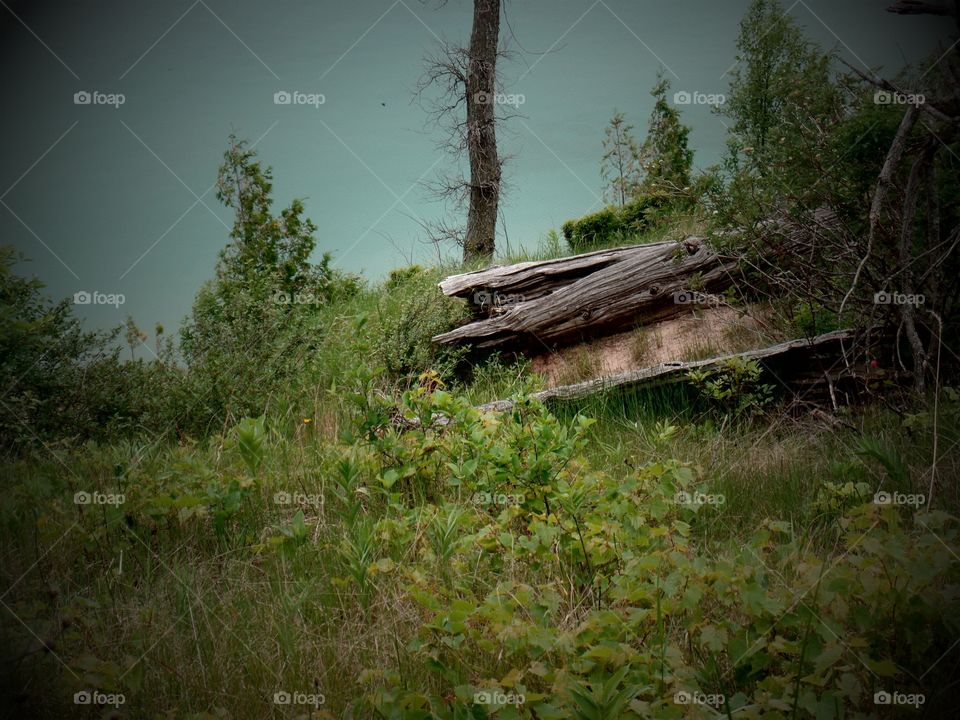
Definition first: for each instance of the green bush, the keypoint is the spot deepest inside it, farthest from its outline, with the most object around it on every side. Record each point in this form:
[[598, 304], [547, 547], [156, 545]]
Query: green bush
[[526, 530], [409, 313], [399, 276], [733, 386], [592, 230], [612, 224], [67, 384]]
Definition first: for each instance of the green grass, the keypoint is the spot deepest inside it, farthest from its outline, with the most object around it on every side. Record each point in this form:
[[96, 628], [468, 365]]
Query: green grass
[[217, 626], [773, 466], [676, 225], [201, 597]]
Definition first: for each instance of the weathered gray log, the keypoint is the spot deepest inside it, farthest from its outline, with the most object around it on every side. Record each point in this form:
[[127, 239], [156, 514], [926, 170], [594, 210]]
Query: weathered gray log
[[538, 277], [786, 361], [569, 299], [798, 365]]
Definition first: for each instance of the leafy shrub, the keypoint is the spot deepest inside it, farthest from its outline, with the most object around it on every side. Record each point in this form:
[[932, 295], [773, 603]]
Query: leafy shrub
[[592, 230], [502, 571], [612, 224], [69, 385], [733, 386], [409, 314], [811, 318], [583, 596], [400, 276], [498, 377], [254, 327]]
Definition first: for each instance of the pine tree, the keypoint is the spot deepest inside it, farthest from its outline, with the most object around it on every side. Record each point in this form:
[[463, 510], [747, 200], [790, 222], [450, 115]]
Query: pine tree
[[665, 156], [266, 250], [780, 92]]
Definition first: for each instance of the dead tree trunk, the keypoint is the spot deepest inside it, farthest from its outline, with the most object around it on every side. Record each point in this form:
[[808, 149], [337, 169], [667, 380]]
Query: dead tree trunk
[[563, 301], [478, 244]]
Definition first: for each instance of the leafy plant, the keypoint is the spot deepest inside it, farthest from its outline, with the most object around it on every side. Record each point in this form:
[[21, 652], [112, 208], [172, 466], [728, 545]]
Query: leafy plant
[[600, 699], [733, 386], [250, 434]]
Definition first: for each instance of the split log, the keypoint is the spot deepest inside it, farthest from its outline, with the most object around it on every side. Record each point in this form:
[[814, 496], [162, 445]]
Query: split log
[[538, 277], [555, 302]]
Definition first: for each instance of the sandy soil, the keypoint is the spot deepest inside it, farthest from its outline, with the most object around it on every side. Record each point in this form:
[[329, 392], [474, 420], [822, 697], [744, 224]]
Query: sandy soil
[[705, 332]]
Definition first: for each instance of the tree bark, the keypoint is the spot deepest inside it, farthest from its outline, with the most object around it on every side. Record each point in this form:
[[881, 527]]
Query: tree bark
[[478, 244], [884, 181], [907, 312]]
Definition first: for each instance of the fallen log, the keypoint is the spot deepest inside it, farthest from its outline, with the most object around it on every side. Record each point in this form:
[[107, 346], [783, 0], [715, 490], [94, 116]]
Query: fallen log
[[554, 302], [790, 363], [799, 365], [537, 277]]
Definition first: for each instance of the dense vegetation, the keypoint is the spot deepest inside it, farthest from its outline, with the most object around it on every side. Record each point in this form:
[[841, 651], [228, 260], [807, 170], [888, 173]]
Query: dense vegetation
[[298, 510]]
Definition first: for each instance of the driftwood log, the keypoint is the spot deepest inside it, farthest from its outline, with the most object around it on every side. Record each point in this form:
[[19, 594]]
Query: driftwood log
[[796, 365], [809, 368], [563, 301]]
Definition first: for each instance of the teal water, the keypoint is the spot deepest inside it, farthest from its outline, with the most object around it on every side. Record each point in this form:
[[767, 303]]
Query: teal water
[[117, 198]]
